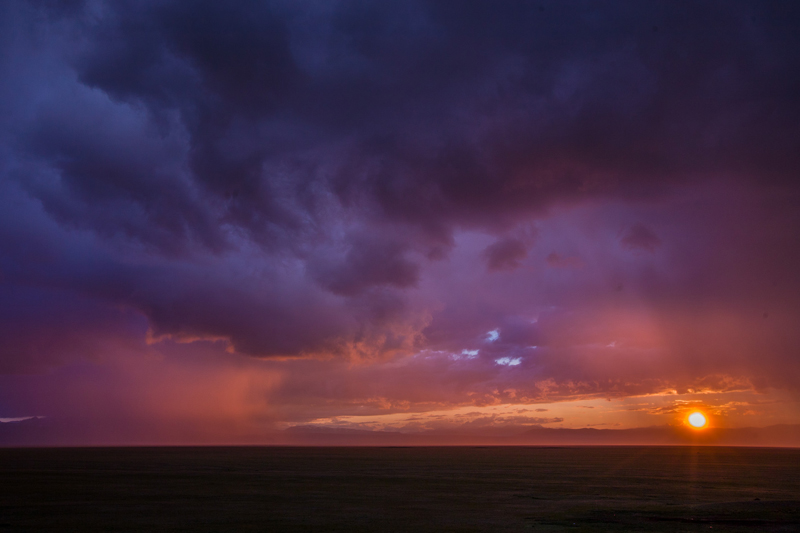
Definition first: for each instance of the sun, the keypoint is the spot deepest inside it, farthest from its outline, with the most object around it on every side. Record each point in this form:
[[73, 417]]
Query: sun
[[697, 419]]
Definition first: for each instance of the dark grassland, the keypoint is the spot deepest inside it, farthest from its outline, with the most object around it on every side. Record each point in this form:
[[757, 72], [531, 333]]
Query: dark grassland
[[400, 489]]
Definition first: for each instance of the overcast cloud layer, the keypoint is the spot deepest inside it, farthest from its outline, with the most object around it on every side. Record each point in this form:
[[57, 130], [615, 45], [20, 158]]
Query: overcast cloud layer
[[397, 205]]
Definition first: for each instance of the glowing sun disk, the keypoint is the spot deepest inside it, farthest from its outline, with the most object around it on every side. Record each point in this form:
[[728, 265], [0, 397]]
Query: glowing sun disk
[[697, 420]]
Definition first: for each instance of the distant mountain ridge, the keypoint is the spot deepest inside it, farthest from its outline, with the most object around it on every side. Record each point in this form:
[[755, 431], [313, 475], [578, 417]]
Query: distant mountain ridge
[[778, 435], [48, 432]]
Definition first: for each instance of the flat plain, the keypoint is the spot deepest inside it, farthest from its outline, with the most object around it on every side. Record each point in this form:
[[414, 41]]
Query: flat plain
[[400, 489]]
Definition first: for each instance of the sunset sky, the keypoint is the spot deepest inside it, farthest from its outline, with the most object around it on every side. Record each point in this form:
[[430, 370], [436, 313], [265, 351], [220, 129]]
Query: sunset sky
[[219, 220]]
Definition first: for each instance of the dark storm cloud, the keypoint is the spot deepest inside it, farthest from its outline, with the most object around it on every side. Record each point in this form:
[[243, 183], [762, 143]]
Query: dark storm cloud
[[369, 264], [115, 175], [467, 113], [280, 174]]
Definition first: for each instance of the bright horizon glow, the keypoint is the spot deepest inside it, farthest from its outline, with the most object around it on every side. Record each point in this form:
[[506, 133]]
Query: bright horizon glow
[[697, 419]]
